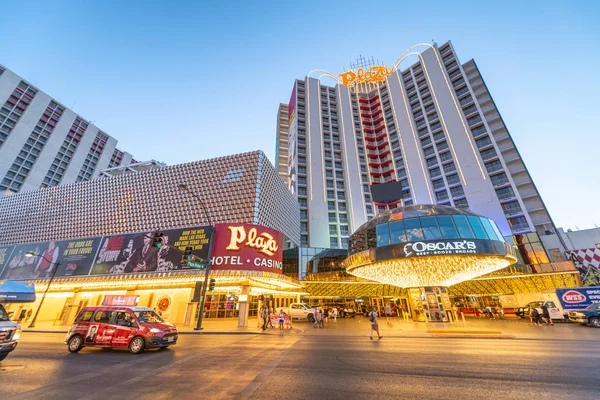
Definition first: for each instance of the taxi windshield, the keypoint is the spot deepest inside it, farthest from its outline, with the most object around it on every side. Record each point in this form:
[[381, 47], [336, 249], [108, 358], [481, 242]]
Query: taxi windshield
[[148, 317]]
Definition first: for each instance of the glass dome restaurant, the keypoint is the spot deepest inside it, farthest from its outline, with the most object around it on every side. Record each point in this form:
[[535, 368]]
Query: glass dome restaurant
[[425, 249]]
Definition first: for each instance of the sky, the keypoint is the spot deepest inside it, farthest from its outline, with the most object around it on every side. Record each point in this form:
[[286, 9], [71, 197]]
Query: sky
[[188, 80]]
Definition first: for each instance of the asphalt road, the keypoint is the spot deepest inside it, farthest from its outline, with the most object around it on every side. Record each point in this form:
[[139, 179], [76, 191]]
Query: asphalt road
[[306, 367]]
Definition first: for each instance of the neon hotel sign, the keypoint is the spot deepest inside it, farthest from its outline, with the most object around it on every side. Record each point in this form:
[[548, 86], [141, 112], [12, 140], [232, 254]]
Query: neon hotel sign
[[375, 74]]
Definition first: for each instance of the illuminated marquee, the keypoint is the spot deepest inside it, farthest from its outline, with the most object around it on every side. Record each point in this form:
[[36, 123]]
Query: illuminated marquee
[[265, 242], [375, 74], [247, 247]]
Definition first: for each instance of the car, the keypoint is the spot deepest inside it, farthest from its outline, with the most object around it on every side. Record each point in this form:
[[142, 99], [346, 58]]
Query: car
[[344, 310], [589, 316], [135, 328], [10, 332], [302, 312]]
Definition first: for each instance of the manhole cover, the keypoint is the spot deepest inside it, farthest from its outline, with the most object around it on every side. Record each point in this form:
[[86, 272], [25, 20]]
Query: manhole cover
[[8, 368]]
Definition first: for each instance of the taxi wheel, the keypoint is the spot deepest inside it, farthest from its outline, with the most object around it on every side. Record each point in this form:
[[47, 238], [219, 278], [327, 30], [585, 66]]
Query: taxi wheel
[[136, 346], [595, 322], [311, 318], [75, 343]]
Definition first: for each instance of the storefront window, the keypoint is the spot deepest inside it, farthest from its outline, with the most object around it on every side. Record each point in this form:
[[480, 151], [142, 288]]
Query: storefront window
[[413, 229], [383, 235], [430, 228], [477, 227], [397, 232], [447, 227], [464, 229]]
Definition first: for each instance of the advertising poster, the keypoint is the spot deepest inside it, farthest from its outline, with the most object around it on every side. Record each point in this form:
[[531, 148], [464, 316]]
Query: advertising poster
[[247, 247], [76, 256], [21, 267], [163, 305], [133, 253], [5, 253]]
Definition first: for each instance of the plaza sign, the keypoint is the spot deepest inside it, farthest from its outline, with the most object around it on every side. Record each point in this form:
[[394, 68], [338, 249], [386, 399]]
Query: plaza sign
[[247, 247], [375, 74]]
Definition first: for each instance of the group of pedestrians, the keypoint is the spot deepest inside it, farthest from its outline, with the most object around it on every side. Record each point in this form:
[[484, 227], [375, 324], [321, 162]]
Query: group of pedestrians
[[539, 315], [321, 316], [491, 313], [267, 315]]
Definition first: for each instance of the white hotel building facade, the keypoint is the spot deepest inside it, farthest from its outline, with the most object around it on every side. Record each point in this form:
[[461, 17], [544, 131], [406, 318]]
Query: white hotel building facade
[[45, 144], [433, 126]]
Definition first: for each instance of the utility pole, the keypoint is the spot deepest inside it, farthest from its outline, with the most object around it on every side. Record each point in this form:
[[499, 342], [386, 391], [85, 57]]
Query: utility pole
[[183, 186]]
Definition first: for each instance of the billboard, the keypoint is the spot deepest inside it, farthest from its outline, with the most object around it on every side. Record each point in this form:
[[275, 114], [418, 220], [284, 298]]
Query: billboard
[[129, 253], [578, 298], [116, 254], [247, 247]]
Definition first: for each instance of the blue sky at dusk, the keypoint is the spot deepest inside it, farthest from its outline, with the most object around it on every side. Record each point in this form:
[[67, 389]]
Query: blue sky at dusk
[[188, 80]]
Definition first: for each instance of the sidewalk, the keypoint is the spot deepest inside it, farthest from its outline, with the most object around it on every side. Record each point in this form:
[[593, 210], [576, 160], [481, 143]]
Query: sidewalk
[[209, 327], [360, 326]]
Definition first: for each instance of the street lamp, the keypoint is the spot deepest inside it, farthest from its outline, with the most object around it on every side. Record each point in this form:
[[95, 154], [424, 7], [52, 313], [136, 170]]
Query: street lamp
[[57, 264], [183, 187]]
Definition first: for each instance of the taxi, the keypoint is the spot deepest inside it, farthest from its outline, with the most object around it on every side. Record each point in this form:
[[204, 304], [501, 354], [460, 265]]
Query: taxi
[[135, 328]]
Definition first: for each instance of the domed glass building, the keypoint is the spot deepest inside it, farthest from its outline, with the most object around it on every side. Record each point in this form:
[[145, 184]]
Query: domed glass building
[[426, 248], [427, 245]]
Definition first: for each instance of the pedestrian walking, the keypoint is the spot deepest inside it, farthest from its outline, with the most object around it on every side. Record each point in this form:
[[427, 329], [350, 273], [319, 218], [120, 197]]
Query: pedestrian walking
[[270, 317], [490, 313], [499, 311], [326, 314], [546, 314], [265, 317], [316, 318], [374, 324], [281, 319], [320, 318], [388, 312], [534, 316], [334, 314]]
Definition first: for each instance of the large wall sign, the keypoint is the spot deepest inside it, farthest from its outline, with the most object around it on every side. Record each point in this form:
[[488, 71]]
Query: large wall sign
[[579, 298], [375, 74], [428, 248], [247, 247]]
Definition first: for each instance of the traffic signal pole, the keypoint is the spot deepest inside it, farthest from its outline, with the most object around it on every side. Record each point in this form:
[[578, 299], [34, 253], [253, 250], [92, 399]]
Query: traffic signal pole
[[205, 284]]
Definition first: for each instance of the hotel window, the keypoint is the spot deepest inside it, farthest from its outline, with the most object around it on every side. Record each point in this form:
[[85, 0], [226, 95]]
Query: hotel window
[[461, 203], [333, 229], [333, 242], [331, 205], [13, 108], [343, 218], [332, 217], [457, 191]]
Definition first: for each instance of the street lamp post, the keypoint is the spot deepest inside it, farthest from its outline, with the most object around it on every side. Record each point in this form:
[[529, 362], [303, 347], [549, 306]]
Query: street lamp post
[[183, 186], [56, 264]]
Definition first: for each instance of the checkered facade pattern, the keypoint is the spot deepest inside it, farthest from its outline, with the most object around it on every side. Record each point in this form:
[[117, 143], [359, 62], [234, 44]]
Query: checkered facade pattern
[[242, 188], [587, 257]]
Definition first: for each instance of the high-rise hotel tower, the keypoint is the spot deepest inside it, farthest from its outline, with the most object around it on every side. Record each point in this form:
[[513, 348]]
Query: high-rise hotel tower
[[432, 126], [43, 143]]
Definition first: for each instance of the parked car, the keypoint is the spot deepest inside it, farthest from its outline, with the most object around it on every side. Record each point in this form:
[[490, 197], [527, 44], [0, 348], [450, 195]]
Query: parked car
[[589, 316], [136, 328], [344, 310], [302, 312]]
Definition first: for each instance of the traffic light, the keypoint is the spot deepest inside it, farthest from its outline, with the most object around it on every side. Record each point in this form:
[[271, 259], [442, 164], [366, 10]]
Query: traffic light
[[211, 285], [157, 239], [188, 253]]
